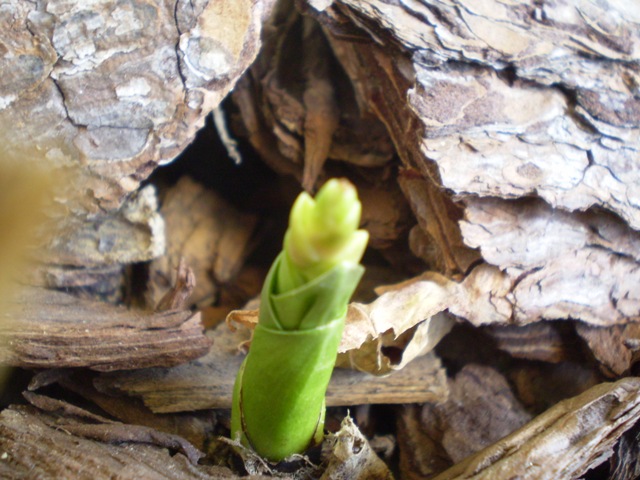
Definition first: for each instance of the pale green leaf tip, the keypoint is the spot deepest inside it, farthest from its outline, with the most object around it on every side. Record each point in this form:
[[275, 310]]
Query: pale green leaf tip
[[324, 231]]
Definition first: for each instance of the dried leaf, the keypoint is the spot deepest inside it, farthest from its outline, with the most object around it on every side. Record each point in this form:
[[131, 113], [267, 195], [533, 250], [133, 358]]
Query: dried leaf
[[540, 386], [351, 457]]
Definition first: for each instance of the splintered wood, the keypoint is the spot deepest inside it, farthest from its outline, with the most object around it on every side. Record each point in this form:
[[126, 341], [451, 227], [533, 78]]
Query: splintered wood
[[564, 442]]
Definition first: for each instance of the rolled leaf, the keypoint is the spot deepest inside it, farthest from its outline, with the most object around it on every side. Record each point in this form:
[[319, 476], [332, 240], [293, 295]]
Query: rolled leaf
[[278, 406]]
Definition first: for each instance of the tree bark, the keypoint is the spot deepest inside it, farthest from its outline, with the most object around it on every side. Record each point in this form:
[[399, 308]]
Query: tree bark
[[110, 90]]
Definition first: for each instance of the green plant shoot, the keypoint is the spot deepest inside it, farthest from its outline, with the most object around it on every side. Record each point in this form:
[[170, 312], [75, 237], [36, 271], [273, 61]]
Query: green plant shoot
[[278, 399]]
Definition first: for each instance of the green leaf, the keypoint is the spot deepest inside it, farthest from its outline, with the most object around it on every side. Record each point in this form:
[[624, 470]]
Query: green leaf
[[278, 406]]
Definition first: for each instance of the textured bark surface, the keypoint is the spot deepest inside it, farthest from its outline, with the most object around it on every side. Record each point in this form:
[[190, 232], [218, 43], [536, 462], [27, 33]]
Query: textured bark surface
[[124, 84], [572, 150], [49, 329], [494, 105], [593, 422], [111, 90], [59, 445]]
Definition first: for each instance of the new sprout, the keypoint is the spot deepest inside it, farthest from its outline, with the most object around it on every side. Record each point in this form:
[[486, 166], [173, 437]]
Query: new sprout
[[278, 406]]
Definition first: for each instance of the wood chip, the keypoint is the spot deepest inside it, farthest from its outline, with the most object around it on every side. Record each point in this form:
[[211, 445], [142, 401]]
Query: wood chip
[[544, 341], [37, 445], [564, 442], [208, 382], [479, 410], [49, 329], [616, 348], [197, 427]]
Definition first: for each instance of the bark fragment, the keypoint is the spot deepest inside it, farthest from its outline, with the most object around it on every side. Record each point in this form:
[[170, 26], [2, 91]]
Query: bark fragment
[[210, 235], [197, 427], [552, 342], [615, 348], [34, 444], [480, 410], [438, 219], [298, 106], [497, 123], [125, 85], [562, 265], [208, 382], [49, 329], [564, 442], [476, 110]]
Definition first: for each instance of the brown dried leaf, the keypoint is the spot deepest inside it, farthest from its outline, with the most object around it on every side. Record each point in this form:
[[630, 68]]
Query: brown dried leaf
[[351, 457], [540, 386], [408, 319], [421, 453], [322, 114], [298, 105], [480, 410]]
